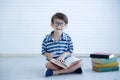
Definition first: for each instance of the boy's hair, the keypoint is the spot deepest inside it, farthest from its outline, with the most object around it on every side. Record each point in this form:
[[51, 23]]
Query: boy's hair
[[59, 16]]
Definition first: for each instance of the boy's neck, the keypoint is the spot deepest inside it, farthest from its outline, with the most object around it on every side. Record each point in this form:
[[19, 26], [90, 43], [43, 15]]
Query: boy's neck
[[57, 35]]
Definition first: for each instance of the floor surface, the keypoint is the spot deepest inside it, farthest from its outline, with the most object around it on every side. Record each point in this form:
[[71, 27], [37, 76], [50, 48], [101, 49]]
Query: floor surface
[[32, 68]]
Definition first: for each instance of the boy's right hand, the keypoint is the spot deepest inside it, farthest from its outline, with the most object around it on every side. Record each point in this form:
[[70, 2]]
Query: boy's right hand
[[49, 55]]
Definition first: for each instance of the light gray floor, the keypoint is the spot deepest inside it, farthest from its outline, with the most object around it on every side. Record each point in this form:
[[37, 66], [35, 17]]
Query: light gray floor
[[32, 68]]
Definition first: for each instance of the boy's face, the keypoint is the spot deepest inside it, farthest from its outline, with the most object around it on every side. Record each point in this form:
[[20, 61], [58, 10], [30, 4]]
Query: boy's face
[[58, 25]]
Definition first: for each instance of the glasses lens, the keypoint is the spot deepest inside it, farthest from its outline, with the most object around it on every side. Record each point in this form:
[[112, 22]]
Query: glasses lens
[[58, 23]]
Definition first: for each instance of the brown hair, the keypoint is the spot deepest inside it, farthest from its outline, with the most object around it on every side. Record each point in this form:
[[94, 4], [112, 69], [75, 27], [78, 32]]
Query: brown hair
[[60, 16]]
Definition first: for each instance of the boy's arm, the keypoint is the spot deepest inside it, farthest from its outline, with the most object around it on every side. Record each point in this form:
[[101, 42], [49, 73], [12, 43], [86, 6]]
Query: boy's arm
[[48, 55], [69, 51], [44, 50], [63, 56]]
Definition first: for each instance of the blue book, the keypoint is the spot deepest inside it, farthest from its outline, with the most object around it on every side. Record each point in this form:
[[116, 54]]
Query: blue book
[[103, 61], [105, 69]]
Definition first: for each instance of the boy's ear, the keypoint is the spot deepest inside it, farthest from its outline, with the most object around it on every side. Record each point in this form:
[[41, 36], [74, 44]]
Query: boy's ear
[[51, 24], [66, 25]]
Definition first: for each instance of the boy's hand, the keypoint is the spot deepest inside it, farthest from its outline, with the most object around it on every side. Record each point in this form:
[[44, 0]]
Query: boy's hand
[[49, 56], [61, 59]]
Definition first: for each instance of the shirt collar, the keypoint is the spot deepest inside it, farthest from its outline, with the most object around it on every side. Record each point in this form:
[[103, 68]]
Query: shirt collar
[[63, 37]]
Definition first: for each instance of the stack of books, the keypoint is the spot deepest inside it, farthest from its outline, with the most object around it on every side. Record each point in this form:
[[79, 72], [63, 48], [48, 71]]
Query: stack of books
[[104, 62]]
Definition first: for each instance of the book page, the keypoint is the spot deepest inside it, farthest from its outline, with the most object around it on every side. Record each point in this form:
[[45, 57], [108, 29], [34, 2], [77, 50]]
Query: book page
[[62, 65], [71, 60]]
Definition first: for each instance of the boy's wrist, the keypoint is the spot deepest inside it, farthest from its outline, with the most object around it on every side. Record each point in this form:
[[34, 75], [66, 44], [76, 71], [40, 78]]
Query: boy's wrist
[[66, 54]]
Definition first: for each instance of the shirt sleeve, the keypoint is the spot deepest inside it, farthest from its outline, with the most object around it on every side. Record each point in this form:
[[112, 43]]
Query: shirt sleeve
[[44, 48], [70, 45]]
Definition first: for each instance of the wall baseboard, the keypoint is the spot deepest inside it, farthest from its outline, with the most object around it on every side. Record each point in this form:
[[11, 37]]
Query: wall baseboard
[[39, 55]]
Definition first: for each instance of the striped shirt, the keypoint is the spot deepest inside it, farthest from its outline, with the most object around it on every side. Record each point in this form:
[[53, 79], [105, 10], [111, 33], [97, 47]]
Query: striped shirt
[[50, 45]]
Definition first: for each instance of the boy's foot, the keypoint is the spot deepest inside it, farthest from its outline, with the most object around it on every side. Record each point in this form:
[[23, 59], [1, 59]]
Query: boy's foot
[[48, 72], [79, 71]]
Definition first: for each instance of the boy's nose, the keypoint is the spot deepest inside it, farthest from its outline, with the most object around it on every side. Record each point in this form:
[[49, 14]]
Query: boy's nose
[[59, 26]]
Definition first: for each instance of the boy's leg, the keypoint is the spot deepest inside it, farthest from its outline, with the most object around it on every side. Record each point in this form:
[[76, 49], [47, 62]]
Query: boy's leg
[[52, 66], [70, 69]]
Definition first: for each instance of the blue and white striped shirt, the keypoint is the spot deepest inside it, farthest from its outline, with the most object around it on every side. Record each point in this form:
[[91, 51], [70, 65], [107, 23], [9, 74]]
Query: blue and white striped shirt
[[50, 45]]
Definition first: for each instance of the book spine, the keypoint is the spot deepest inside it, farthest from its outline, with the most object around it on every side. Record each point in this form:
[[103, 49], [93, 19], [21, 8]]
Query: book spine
[[106, 65], [99, 56], [104, 61], [116, 68]]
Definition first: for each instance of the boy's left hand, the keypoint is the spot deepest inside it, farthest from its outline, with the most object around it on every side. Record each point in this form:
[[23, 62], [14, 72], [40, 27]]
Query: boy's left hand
[[60, 59]]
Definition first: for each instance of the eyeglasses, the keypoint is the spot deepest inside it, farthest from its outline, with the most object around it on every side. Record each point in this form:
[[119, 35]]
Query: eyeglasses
[[59, 23]]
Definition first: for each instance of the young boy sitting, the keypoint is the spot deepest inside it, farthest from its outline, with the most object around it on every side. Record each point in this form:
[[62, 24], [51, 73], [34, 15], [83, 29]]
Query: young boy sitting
[[58, 45]]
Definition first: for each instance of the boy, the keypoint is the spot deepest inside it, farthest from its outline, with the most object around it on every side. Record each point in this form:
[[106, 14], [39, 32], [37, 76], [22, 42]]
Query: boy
[[58, 45]]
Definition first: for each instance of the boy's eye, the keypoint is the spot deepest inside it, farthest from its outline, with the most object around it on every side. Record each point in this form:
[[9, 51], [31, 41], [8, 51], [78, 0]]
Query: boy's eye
[[56, 22], [59, 23]]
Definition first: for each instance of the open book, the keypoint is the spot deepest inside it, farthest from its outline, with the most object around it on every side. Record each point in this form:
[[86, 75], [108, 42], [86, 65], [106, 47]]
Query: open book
[[68, 62]]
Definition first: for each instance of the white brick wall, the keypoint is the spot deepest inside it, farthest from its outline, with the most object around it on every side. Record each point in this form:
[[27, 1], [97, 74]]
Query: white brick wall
[[94, 25]]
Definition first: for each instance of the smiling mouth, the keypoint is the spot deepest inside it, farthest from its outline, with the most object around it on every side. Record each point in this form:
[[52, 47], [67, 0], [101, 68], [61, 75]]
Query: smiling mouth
[[59, 29]]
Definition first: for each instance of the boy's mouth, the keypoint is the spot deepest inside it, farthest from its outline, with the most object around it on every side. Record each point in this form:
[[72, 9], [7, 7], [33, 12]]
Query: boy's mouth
[[59, 29]]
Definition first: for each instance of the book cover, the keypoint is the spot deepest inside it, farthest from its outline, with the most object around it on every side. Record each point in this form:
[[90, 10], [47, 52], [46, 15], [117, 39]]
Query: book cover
[[103, 61], [102, 55], [106, 65], [68, 62], [105, 69]]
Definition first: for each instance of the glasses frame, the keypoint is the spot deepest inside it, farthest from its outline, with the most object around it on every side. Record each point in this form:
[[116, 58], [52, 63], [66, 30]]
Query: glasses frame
[[62, 24]]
